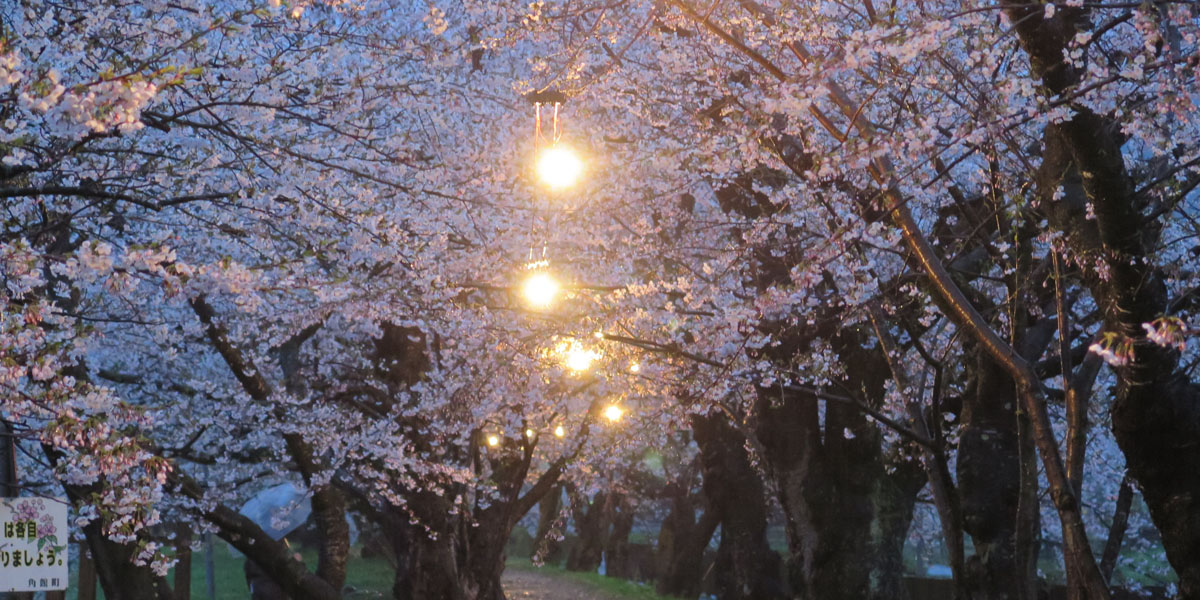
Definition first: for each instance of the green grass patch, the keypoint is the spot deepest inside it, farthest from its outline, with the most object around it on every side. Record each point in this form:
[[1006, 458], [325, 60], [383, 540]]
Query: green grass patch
[[369, 577]]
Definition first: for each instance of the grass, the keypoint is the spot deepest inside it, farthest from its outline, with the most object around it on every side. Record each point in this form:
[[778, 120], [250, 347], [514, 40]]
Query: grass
[[620, 588], [370, 577]]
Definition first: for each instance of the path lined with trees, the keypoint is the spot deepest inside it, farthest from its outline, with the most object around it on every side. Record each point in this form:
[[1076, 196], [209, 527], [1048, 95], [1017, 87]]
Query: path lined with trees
[[915, 275]]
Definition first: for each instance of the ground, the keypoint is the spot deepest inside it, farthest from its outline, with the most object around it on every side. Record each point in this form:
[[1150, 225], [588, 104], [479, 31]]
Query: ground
[[523, 581], [535, 585], [371, 579]]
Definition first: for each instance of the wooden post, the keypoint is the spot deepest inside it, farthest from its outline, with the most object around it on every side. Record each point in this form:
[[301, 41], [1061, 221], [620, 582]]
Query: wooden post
[[8, 461], [9, 487], [183, 562], [86, 586], [209, 567]]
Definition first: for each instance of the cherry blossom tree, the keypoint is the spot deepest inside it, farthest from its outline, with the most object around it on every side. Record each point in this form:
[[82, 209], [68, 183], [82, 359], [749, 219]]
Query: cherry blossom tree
[[858, 250]]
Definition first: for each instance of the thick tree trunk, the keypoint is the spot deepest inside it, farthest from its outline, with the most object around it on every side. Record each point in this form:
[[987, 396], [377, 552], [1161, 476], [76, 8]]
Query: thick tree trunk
[[1157, 425], [119, 577], [847, 516], [746, 567], [616, 547], [113, 562], [989, 483], [427, 566], [1156, 413], [447, 555], [545, 547], [592, 522], [443, 557], [329, 513], [682, 540]]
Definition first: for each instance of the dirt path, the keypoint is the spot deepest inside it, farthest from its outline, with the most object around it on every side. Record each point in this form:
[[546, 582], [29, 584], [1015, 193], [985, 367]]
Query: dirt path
[[523, 584]]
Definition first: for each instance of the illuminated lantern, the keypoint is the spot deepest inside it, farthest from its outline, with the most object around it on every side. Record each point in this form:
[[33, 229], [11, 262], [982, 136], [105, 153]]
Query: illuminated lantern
[[558, 167]]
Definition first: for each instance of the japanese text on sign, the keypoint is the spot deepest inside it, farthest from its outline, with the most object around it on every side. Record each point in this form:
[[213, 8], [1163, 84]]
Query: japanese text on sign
[[33, 537]]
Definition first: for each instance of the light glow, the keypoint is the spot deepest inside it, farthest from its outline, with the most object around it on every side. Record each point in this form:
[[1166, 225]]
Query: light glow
[[529, 433], [559, 167], [613, 413], [559, 431], [577, 358], [540, 289], [493, 440]]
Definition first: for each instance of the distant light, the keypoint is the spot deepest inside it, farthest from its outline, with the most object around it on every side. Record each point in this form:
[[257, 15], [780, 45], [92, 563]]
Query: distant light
[[493, 440], [529, 433], [559, 167], [540, 289], [613, 413], [559, 431], [635, 367], [579, 359]]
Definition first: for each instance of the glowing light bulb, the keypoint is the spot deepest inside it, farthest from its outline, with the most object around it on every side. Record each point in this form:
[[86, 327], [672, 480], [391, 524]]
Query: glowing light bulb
[[493, 440], [529, 433], [540, 289], [635, 367], [559, 431], [613, 413], [559, 167]]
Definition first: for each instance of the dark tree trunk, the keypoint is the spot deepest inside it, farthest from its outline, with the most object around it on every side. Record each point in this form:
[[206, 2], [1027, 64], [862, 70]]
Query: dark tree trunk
[[681, 544], [119, 577], [847, 516], [616, 548], [447, 555], [746, 567], [1156, 412], [1157, 425], [545, 547], [426, 565], [329, 513], [591, 530], [113, 562], [682, 538], [444, 558], [989, 483]]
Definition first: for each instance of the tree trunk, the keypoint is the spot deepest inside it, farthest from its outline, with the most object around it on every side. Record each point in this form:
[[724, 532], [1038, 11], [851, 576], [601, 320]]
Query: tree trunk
[[112, 562], [682, 540], [329, 513], [847, 517], [119, 577], [1156, 412], [426, 566], [616, 548], [591, 530], [989, 483], [1157, 424], [545, 548], [746, 567]]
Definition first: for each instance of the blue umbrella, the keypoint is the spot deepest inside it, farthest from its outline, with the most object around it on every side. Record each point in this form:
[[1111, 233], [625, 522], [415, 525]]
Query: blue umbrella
[[286, 506], [279, 510]]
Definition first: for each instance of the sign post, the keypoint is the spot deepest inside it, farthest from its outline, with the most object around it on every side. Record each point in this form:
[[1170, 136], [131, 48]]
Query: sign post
[[33, 545]]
